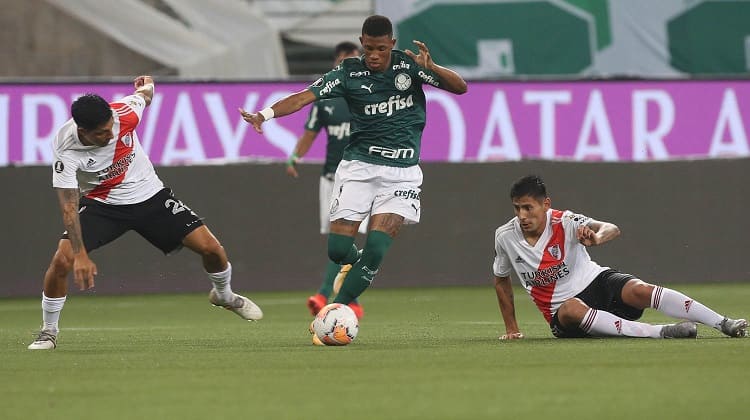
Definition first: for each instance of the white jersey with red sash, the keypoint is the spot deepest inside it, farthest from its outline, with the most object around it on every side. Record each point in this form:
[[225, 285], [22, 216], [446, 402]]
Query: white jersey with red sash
[[554, 270], [118, 173]]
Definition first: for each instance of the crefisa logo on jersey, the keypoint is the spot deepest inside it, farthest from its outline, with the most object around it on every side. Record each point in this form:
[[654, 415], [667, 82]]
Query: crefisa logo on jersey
[[329, 86], [402, 81], [409, 194], [428, 78], [339, 131], [394, 103], [402, 65]]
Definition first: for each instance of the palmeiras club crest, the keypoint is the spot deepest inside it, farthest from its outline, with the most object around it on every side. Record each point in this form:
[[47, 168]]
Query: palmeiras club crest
[[402, 81], [554, 250]]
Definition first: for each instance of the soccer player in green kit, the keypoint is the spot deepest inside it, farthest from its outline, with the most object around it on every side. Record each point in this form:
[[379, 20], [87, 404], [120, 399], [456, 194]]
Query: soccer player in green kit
[[332, 115], [379, 174]]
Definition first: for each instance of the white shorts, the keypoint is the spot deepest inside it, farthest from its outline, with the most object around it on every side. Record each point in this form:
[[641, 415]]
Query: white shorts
[[326, 189], [361, 189]]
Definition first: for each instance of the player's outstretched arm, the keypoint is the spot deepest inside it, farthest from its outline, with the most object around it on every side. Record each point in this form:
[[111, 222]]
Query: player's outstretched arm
[[284, 106], [597, 233], [504, 291], [84, 269], [144, 86], [449, 79]]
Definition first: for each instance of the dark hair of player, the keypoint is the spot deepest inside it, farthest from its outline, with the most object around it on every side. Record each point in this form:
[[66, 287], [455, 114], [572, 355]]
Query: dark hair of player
[[345, 48], [377, 25], [90, 111], [530, 185]]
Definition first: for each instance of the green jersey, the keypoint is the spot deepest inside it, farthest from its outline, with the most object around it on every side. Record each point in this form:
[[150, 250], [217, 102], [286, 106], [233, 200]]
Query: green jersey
[[388, 108], [334, 115]]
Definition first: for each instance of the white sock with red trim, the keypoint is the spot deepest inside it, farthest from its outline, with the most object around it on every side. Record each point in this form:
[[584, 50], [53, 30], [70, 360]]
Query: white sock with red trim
[[602, 323], [51, 308], [675, 304], [222, 283]]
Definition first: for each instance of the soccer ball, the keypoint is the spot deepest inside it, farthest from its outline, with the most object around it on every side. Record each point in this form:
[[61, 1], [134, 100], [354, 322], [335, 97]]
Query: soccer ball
[[335, 325]]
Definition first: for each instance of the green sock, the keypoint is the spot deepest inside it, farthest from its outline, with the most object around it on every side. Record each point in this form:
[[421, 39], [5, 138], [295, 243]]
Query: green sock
[[341, 249], [326, 288], [363, 272]]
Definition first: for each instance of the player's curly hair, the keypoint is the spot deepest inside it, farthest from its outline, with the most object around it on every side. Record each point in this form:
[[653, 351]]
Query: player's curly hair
[[530, 185], [377, 25], [90, 111]]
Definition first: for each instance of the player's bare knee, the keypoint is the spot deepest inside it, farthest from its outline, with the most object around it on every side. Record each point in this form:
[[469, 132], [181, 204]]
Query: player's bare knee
[[637, 293], [571, 312], [344, 227]]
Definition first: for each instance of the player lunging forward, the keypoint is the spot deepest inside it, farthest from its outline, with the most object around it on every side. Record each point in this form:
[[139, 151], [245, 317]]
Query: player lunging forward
[[334, 115], [120, 192], [577, 296], [379, 174]]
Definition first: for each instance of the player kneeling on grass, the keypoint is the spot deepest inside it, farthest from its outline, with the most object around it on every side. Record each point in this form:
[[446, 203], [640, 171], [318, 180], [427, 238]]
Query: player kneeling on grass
[[577, 296], [120, 192]]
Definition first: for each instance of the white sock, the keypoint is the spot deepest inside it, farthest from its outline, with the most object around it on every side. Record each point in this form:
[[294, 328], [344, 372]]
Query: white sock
[[222, 283], [675, 304], [51, 308], [601, 323]]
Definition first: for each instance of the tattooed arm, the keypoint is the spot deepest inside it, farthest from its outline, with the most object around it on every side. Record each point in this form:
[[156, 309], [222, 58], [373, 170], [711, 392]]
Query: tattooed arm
[[84, 269]]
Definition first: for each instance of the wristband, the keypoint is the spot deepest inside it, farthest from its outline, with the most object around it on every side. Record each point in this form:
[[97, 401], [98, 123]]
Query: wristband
[[267, 113], [292, 160]]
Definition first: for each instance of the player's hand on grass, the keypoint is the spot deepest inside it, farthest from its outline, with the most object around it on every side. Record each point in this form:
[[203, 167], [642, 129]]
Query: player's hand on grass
[[423, 59], [511, 336], [84, 271], [253, 118]]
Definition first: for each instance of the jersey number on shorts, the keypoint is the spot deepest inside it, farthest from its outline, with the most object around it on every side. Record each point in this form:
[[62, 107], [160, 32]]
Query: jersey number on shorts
[[176, 206]]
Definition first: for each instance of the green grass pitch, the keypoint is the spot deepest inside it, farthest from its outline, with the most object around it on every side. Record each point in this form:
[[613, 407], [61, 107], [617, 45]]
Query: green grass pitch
[[421, 354]]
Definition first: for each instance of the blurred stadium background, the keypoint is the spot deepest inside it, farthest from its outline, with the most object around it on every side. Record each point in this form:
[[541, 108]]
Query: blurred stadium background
[[634, 111]]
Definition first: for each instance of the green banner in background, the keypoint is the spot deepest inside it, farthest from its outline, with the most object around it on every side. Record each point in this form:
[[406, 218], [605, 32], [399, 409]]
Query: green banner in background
[[578, 38], [599, 10], [495, 37], [711, 38]]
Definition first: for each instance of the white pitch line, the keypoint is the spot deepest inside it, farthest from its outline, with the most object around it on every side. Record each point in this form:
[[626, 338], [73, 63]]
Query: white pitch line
[[125, 328]]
